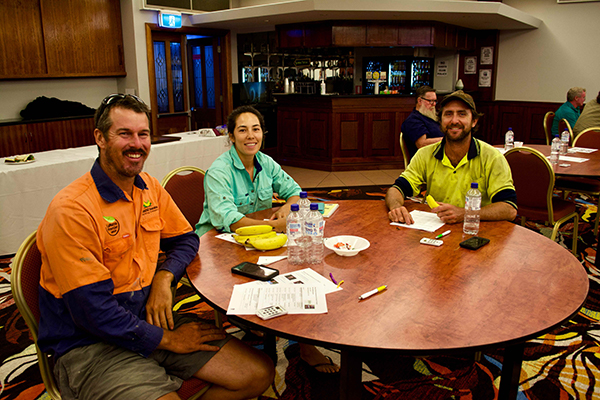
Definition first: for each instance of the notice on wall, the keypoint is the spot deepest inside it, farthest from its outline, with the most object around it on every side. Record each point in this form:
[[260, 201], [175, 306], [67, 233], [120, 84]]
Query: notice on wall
[[441, 68], [470, 65], [485, 78], [487, 55]]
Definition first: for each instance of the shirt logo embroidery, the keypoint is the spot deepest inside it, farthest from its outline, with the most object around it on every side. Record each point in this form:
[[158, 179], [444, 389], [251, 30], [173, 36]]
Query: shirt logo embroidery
[[147, 203], [113, 226]]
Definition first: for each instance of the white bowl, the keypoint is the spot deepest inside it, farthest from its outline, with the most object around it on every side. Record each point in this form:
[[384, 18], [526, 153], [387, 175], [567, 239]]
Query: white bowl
[[353, 245]]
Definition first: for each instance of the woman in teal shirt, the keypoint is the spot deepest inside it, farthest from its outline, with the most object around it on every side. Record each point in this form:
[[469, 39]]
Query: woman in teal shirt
[[242, 181]]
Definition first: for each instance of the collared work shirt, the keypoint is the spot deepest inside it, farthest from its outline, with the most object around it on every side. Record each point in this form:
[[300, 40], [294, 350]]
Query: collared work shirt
[[448, 184], [417, 125], [567, 111], [99, 251], [230, 194]]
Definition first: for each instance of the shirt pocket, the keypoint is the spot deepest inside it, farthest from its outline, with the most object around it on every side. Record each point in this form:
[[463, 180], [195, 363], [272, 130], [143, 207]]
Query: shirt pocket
[[243, 204], [151, 229], [265, 198], [118, 258]]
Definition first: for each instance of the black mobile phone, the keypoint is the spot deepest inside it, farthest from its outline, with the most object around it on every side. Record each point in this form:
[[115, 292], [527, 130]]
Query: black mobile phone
[[474, 243], [255, 271]]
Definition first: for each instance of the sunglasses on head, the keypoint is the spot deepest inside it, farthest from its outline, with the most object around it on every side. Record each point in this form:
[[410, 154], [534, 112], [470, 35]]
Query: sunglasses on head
[[108, 100]]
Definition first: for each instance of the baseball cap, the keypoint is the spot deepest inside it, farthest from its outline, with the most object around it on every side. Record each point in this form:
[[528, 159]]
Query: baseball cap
[[462, 96]]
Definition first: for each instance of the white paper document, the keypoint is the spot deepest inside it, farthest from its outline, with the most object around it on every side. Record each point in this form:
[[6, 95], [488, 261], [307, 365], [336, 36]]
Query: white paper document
[[296, 299], [424, 221], [572, 159], [305, 276], [228, 237], [266, 260], [581, 150]]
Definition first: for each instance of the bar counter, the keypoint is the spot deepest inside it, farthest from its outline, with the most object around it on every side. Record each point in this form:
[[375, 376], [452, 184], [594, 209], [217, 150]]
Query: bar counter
[[341, 132]]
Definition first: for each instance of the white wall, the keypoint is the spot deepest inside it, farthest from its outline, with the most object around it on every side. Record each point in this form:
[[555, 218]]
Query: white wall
[[542, 64]]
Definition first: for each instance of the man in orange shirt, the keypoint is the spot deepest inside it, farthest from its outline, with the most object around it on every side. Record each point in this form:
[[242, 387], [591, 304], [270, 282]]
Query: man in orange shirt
[[106, 310]]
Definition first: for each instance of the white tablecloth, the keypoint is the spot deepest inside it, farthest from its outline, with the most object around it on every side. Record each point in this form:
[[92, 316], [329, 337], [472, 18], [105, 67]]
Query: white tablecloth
[[27, 189]]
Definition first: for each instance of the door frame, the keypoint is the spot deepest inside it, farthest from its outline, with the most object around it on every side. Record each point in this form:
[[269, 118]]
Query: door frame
[[225, 68]]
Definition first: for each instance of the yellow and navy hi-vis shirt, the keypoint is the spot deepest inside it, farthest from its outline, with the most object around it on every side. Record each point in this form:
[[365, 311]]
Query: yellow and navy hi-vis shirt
[[448, 184], [99, 252]]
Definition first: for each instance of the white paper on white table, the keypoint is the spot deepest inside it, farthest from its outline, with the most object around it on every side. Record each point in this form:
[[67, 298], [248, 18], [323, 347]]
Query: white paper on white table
[[296, 299], [424, 221]]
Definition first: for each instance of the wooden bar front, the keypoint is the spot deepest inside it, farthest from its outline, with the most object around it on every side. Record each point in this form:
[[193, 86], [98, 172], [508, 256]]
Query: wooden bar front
[[341, 133]]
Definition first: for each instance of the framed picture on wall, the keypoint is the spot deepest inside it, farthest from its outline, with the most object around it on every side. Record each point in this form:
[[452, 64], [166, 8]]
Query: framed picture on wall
[[470, 65], [485, 78], [487, 55]]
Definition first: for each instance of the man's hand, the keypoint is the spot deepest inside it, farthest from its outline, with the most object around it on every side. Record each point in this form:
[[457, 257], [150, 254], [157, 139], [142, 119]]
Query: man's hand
[[400, 214], [278, 223], [159, 307], [449, 214], [191, 337]]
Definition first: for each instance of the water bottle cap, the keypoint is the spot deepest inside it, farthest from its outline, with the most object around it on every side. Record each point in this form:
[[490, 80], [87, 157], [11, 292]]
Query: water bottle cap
[[509, 128], [303, 195], [474, 185], [314, 206], [295, 207]]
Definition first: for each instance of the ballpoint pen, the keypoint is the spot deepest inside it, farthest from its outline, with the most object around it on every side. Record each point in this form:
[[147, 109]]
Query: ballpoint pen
[[443, 234], [372, 292]]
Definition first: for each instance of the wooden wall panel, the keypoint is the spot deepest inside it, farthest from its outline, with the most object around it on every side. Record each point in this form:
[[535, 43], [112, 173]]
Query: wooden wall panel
[[13, 140], [316, 133], [289, 129]]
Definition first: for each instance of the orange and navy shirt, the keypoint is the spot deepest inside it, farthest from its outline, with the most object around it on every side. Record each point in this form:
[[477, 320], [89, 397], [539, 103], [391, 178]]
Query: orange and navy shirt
[[99, 251]]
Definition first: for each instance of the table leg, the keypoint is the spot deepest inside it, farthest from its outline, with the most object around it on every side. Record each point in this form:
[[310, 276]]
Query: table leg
[[511, 372], [350, 376]]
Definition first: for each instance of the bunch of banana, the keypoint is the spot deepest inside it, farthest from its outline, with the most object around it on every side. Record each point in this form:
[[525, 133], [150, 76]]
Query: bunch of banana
[[432, 203], [261, 237]]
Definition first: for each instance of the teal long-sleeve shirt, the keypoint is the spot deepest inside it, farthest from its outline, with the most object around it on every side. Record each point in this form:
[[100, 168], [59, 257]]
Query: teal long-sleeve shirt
[[230, 194]]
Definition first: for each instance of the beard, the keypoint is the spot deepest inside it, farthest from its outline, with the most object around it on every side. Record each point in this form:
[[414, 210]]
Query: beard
[[465, 132], [428, 112]]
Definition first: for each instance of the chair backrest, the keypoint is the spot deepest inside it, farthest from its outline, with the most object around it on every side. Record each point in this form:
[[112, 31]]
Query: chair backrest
[[25, 281], [533, 178], [186, 187], [405, 153], [564, 124], [589, 138], [548, 120]]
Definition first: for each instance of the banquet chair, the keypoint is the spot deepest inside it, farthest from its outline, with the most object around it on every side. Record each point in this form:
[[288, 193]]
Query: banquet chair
[[589, 138], [405, 154], [564, 124], [186, 187], [548, 119], [25, 280], [533, 178]]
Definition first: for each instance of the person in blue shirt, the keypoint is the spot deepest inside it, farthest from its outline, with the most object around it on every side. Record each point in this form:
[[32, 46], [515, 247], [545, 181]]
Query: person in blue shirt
[[570, 110], [422, 127], [242, 181]]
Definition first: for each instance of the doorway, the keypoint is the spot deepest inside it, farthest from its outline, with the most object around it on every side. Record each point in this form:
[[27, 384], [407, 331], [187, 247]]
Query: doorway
[[189, 78]]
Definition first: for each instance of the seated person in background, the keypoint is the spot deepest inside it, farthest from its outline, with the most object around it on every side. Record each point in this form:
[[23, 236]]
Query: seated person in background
[[242, 181], [590, 116], [570, 110], [422, 127], [449, 167], [106, 309]]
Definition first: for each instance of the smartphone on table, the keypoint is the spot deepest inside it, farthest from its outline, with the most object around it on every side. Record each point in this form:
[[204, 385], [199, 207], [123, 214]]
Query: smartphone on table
[[255, 271], [474, 243]]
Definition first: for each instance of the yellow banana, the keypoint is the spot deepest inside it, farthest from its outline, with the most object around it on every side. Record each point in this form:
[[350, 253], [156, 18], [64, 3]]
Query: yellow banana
[[271, 243], [432, 203], [253, 230], [244, 238]]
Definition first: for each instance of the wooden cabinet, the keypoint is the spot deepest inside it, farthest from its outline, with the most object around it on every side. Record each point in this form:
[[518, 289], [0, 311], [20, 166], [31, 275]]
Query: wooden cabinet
[[44, 136], [349, 34], [382, 33], [60, 38]]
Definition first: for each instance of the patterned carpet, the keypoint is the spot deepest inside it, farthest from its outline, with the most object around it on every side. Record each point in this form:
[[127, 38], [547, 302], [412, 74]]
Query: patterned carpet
[[563, 364]]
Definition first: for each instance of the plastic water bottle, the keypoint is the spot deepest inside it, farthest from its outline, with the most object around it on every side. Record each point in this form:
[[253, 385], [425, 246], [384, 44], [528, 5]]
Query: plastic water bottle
[[555, 150], [313, 228], [472, 207], [509, 139], [564, 142], [294, 233], [323, 87], [304, 204]]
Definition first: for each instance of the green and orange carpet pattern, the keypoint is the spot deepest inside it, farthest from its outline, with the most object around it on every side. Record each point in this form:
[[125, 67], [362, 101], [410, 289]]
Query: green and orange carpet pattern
[[563, 364]]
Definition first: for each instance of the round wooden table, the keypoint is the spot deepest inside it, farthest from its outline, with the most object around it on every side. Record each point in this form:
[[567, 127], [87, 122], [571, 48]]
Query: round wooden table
[[439, 299]]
